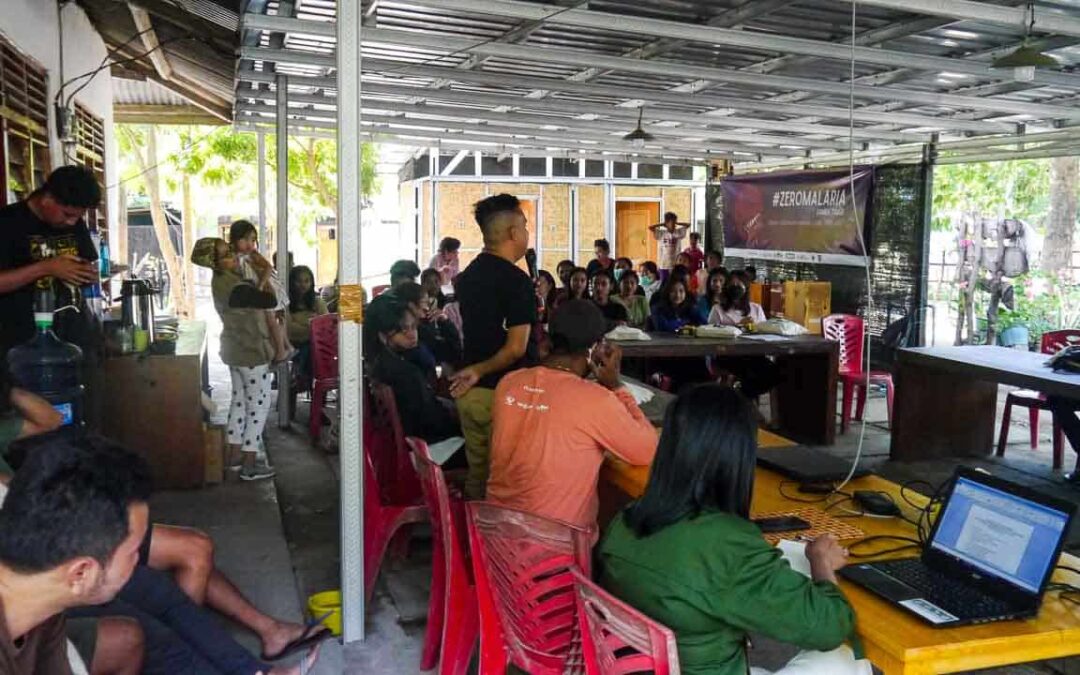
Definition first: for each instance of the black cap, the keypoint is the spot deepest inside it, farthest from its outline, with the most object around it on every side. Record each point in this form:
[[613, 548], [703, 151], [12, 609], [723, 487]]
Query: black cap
[[405, 268], [577, 325]]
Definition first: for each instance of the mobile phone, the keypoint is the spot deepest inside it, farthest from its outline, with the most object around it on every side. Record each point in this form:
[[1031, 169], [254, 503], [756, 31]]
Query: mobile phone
[[781, 524]]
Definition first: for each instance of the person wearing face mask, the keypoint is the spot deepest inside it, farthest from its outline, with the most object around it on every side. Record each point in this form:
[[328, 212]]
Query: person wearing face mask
[[551, 427], [621, 266], [649, 279], [735, 308], [637, 307]]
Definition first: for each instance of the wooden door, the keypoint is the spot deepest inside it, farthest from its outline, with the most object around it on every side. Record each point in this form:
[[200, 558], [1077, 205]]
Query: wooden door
[[632, 237]]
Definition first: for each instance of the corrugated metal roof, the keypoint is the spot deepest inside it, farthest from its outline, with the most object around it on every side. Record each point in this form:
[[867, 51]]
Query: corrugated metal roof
[[144, 92], [760, 84]]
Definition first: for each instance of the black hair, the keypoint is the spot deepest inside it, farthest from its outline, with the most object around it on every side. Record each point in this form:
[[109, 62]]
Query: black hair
[[409, 292], [627, 261], [429, 273], [751, 272], [743, 304], [716, 254], [652, 268], [564, 263], [682, 273], [5, 388], [241, 229], [661, 300], [449, 245], [671, 215], [69, 499], [629, 273], [549, 301], [715, 297], [607, 274], [602, 244], [695, 236], [384, 314], [576, 270], [486, 209], [704, 461], [298, 301], [73, 186], [403, 269]]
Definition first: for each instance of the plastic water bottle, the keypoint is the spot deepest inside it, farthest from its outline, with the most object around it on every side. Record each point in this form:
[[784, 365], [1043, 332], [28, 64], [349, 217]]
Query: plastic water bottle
[[48, 366]]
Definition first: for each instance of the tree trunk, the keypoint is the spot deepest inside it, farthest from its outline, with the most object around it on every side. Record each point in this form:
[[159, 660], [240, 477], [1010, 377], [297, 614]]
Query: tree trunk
[[189, 242], [1064, 183], [119, 241], [148, 165]]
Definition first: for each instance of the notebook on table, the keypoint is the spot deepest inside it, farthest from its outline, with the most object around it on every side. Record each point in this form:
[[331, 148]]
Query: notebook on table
[[989, 557]]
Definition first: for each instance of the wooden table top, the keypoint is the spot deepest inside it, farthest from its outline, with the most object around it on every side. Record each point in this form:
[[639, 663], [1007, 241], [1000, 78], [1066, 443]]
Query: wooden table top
[[895, 641], [1000, 364], [666, 345]]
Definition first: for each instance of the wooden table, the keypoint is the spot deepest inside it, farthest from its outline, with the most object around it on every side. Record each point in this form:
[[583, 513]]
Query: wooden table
[[946, 397], [895, 641], [153, 406], [806, 398]]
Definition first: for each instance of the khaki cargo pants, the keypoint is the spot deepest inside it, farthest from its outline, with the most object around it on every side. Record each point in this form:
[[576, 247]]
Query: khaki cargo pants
[[474, 411]]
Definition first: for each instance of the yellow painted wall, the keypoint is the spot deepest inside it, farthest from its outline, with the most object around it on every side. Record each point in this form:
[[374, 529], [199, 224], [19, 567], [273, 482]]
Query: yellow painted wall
[[625, 191], [555, 230], [426, 223], [679, 200], [592, 216]]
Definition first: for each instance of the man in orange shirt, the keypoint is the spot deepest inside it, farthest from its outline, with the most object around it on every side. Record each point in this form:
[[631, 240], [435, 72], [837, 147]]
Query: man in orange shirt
[[551, 426]]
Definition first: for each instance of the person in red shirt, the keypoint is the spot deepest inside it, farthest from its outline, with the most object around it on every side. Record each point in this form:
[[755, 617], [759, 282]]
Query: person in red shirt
[[694, 252], [551, 426]]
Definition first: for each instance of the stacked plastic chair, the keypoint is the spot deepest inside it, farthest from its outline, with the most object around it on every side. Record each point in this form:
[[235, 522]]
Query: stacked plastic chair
[[850, 332], [617, 639], [324, 367], [523, 566], [453, 621]]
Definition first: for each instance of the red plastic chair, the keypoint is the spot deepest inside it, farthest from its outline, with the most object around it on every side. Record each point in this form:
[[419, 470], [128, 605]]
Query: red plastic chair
[[383, 519], [453, 621], [525, 591], [1051, 343], [324, 367], [617, 639], [400, 482], [850, 332]]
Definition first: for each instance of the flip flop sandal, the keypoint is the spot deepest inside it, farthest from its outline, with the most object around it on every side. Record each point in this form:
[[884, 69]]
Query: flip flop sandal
[[313, 634]]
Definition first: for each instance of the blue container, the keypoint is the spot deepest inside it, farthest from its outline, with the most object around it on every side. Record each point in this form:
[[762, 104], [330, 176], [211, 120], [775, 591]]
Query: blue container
[[49, 367], [1017, 336]]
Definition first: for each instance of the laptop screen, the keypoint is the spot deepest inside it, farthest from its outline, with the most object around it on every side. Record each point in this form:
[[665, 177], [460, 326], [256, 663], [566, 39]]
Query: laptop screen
[[1002, 534]]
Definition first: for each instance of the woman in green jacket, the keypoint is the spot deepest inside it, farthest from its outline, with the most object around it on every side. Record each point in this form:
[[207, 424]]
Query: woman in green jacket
[[687, 555]]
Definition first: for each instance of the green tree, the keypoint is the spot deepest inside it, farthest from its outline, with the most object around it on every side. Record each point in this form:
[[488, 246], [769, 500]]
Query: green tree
[[1017, 189]]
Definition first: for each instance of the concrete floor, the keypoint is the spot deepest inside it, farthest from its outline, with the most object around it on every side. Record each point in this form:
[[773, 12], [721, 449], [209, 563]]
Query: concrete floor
[[279, 540]]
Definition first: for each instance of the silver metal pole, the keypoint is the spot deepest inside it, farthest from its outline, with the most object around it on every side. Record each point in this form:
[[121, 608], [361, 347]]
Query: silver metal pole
[[349, 361], [281, 261], [260, 138]]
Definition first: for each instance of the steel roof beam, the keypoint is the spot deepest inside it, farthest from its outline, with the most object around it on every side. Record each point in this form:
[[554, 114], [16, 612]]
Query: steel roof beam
[[684, 70], [695, 125], [715, 147], [1045, 20], [736, 38], [718, 101]]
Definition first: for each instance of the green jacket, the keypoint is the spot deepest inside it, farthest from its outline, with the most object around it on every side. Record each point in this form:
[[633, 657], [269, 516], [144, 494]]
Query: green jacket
[[245, 337], [713, 579], [637, 307]]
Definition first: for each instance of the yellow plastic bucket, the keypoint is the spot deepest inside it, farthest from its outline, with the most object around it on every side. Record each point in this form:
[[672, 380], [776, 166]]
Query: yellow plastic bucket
[[327, 601]]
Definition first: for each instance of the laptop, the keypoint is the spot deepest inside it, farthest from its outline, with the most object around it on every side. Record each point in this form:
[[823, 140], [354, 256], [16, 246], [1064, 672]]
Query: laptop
[[990, 555], [807, 465]]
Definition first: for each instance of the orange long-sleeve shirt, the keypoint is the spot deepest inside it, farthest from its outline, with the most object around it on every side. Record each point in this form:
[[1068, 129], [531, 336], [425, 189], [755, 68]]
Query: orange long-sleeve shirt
[[550, 429]]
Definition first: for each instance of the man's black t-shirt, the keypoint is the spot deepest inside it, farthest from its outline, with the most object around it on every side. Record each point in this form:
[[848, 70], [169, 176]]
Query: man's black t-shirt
[[614, 312], [495, 295], [26, 239]]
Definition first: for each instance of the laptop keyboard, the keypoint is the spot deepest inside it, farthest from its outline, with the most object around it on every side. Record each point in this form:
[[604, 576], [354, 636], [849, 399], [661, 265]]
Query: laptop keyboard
[[946, 592]]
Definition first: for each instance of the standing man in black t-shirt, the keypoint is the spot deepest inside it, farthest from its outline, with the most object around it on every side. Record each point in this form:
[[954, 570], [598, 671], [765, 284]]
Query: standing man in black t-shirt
[[44, 243], [498, 307]]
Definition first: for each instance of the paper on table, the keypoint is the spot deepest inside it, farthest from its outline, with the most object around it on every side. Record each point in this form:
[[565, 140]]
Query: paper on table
[[765, 337], [627, 333], [795, 553], [641, 394], [445, 449]]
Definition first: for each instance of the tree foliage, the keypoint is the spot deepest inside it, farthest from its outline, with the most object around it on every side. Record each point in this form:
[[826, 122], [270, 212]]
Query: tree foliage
[[1016, 189]]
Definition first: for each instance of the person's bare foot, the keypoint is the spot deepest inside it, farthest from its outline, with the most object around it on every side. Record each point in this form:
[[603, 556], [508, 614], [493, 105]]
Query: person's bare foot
[[302, 668], [277, 639]]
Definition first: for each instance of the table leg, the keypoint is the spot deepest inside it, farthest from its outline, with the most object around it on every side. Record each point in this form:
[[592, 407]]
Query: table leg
[[806, 398], [939, 414]]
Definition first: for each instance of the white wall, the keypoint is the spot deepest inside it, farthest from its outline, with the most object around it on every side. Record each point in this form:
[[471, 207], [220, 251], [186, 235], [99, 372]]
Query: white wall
[[32, 25]]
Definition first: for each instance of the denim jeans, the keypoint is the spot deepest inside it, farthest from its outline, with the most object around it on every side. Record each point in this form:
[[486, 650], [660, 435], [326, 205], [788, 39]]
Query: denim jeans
[[181, 637]]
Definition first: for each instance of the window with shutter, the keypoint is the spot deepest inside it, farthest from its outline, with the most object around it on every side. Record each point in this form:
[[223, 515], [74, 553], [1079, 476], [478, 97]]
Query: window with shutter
[[90, 152], [24, 123]]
